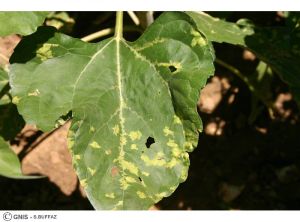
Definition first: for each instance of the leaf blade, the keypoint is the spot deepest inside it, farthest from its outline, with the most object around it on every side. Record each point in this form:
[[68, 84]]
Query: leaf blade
[[9, 163], [190, 55], [22, 23], [126, 142]]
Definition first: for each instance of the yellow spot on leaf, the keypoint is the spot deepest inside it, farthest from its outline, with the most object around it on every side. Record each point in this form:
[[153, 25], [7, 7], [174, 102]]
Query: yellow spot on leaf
[[133, 147], [177, 120], [161, 195], [70, 142], [176, 152], [16, 100], [172, 163], [188, 146], [92, 129], [177, 65], [123, 183], [145, 173], [149, 44], [198, 39], [184, 174], [143, 184], [95, 145], [71, 133], [173, 188], [108, 152], [160, 155], [91, 171], [130, 179], [122, 154], [168, 132], [153, 162], [61, 122], [116, 130], [129, 166], [141, 194], [77, 157], [120, 203], [45, 51], [83, 183], [110, 195], [172, 144], [34, 93], [185, 156], [135, 135], [123, 140]]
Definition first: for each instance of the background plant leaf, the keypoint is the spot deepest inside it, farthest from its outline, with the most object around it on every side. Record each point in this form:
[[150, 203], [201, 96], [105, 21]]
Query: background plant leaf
[[61, 21], [11, 123], [22, 23], [3, 79], [277, 46], [218, 30], [10, 165]]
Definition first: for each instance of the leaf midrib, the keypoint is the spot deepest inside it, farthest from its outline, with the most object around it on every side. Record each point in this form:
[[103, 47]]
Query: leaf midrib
[[121, 105]]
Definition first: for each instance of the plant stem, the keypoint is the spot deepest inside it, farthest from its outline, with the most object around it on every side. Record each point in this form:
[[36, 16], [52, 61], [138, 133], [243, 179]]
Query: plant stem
[[4, 90], [134, 18], [236, 72], [119, 25], [98, 34], [109, 31]]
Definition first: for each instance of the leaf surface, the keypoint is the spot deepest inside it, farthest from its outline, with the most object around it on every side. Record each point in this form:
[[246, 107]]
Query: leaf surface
[[22, 23], [9, 163], [127, 139], [11, 123], [184, 58], [3, 79], [218, 30]]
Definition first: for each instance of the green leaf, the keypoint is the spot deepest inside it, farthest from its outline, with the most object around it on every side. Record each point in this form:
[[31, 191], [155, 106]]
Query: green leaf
[[22, 23], [218, 30], [185, 63], [292, 19], [127, 140], [9, 163], [3, 80], [4, 87], [279, 47], [11, 123], [61, 21]]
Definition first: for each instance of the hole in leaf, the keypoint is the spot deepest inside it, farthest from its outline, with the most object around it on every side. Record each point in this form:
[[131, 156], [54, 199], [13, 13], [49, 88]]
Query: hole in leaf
[[172, 68], [150, 141], [140, 179]]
